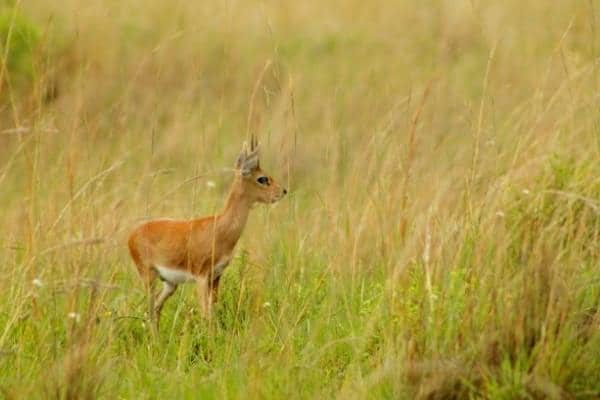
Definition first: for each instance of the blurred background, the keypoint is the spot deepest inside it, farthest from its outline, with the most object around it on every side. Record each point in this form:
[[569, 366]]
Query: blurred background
[[441, 238]]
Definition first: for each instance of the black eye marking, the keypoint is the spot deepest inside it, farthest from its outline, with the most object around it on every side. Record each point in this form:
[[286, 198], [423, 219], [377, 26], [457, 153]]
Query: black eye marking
[[263, 180]]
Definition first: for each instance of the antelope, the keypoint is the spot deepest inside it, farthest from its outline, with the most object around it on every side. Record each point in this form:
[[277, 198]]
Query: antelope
[[199, 250]]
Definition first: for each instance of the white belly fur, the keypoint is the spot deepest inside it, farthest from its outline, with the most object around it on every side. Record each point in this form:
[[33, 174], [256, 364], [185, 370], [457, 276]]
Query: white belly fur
[[175, 276]]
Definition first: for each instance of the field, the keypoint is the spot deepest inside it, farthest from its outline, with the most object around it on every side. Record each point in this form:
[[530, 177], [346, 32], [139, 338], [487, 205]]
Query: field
[[441, 238]]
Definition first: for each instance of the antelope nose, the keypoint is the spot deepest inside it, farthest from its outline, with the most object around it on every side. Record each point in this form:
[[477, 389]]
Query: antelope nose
[[284, 191]]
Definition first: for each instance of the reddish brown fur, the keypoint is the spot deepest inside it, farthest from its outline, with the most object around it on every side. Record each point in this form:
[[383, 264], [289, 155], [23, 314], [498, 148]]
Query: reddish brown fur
[[197, 245]]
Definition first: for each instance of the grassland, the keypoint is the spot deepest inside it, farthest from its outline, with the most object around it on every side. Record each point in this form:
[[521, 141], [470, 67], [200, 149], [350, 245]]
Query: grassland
[[441, 239]]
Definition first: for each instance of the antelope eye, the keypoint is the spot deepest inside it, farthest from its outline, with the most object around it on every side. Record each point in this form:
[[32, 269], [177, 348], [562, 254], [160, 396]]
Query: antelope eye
[[263, 180]]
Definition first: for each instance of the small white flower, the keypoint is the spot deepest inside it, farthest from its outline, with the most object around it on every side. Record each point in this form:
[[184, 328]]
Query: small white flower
[[74, 316], [266, 304], [37, 282], [500, 214], [210, 184]]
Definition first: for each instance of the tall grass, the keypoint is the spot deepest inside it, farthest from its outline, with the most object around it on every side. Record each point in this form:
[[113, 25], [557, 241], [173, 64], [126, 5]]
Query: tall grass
[[441, 239]]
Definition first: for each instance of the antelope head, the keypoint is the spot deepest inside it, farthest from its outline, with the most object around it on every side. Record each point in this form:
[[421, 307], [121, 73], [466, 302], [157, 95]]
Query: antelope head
[[256, 184]]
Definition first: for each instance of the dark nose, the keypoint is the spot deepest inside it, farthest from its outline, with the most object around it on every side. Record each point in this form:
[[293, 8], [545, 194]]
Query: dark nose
[[284, 191]]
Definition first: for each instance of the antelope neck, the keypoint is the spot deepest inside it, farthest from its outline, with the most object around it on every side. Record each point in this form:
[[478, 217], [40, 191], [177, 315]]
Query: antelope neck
[[231, 223]]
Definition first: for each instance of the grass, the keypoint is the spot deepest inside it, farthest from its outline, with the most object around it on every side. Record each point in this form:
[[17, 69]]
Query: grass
[[442, 235]]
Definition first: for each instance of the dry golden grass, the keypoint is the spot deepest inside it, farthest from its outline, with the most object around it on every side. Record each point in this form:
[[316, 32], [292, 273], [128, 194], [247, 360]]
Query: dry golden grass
[[442, 235]]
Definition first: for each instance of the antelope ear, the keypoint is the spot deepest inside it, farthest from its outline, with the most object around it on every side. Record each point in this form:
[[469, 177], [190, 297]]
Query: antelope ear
[[254, 152], [250, 164], [241, 159]]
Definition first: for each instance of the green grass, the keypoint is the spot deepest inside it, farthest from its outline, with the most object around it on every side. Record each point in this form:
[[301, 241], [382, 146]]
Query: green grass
[[442, 234]]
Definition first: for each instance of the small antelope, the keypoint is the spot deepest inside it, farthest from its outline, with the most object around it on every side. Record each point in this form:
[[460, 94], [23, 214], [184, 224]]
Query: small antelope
[[198, 250]]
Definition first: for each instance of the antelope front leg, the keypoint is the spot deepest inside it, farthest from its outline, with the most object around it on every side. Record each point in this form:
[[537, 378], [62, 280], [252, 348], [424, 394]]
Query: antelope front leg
[[204, 296], [214, 290]]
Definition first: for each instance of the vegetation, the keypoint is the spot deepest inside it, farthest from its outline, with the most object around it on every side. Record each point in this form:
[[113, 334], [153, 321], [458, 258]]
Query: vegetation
[[442, 234]]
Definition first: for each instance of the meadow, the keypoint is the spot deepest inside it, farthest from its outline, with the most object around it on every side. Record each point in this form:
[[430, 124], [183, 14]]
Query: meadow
[[441, 237]]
